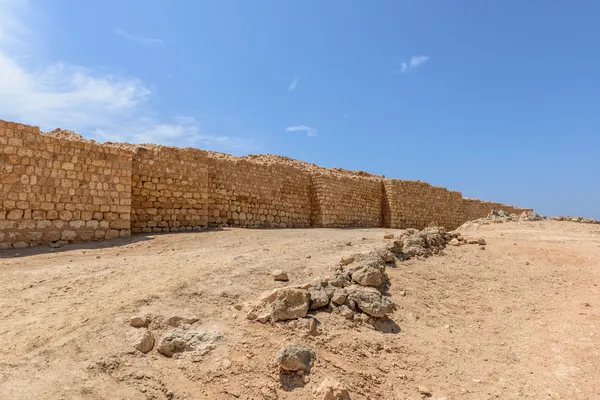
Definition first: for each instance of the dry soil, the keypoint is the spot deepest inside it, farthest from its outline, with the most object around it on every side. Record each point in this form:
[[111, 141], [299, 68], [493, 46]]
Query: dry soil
[[518, 320]]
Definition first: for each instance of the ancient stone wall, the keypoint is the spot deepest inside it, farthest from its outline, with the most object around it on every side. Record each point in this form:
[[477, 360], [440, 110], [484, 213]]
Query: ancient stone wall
[[415, 204], [252, 194], [346, 200], [54, 189], [169, 189], [474, 208], [58, 186]]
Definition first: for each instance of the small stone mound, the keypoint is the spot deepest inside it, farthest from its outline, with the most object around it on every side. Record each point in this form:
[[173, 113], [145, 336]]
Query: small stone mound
[[188, 338], [295, 358]]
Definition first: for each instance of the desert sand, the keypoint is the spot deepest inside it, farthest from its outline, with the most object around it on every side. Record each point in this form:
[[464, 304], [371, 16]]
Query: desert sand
[[518, 318]]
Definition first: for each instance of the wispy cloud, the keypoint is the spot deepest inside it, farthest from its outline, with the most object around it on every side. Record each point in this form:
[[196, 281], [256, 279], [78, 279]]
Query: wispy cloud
[[414, 63], [302, 128], [293, 84], [99, 105], [138, 38]]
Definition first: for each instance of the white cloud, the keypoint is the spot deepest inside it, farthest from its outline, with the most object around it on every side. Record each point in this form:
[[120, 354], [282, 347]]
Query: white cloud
[[138, 38], [96, 104], [293, 84], [414, 63], [302, 128]]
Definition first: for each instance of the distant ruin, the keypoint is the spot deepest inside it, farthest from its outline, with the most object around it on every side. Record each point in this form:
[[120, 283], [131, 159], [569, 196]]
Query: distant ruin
[[57, 186]]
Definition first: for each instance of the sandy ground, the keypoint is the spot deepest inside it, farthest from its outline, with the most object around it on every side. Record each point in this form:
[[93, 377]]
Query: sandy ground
[[518, 320]]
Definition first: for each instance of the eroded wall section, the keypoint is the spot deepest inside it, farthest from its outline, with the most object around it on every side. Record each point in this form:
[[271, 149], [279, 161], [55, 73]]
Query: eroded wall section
[[415, 204], [474, 208], [53, 189], [251, 194], [169, 189], [346, 200]]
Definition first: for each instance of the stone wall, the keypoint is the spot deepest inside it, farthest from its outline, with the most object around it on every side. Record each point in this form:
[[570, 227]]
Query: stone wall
[[169, 189], [346, 200], [53, 189], [415, 204], [253, 194], [57, 187], [474, 208]]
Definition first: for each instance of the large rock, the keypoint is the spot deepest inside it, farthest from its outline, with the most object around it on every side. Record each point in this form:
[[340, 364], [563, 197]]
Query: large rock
[[331, 389], [280, 305], [370, 301], [188, 338], [296, 357], [368, 276], [142, 340]]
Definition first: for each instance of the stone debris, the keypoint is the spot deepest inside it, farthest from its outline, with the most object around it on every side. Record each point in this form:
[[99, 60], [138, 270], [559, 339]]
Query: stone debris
[[370, 301], [368, 276], [330, 389], [177, 320], [188, 338], [139, 321], [388, 236], [358, 284], [142, 340], [296, 357], [575, 219], [280, 275], [281, 305]]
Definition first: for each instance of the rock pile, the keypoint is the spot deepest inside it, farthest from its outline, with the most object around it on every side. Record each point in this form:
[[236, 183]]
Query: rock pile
[[358, 285], [576, 219], [184, 338]]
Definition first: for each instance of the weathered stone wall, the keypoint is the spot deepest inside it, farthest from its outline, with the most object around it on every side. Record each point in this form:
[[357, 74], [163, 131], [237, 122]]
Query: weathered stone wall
[[346, 200], [415, 204], [58, 186], [474, 208], [253, 194], [53, 189], [169, 189]]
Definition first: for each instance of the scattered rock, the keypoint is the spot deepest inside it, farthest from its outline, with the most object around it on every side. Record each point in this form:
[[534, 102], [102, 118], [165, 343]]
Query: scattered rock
[[346, 312], [396, 247], [454, 242], [348, 243], [388, 236], [331, 389], [188, 338], [481, 241], [424, 391], [280, 305], [368, 276], [308, 256], [139, 321], [176, 320], [142, 340], [296, 357], [370, 301], [280, 275], [318, 298], [339, 296]]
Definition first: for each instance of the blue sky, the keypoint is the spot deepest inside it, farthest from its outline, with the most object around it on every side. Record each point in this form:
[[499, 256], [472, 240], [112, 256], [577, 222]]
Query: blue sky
[[497, 99]]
